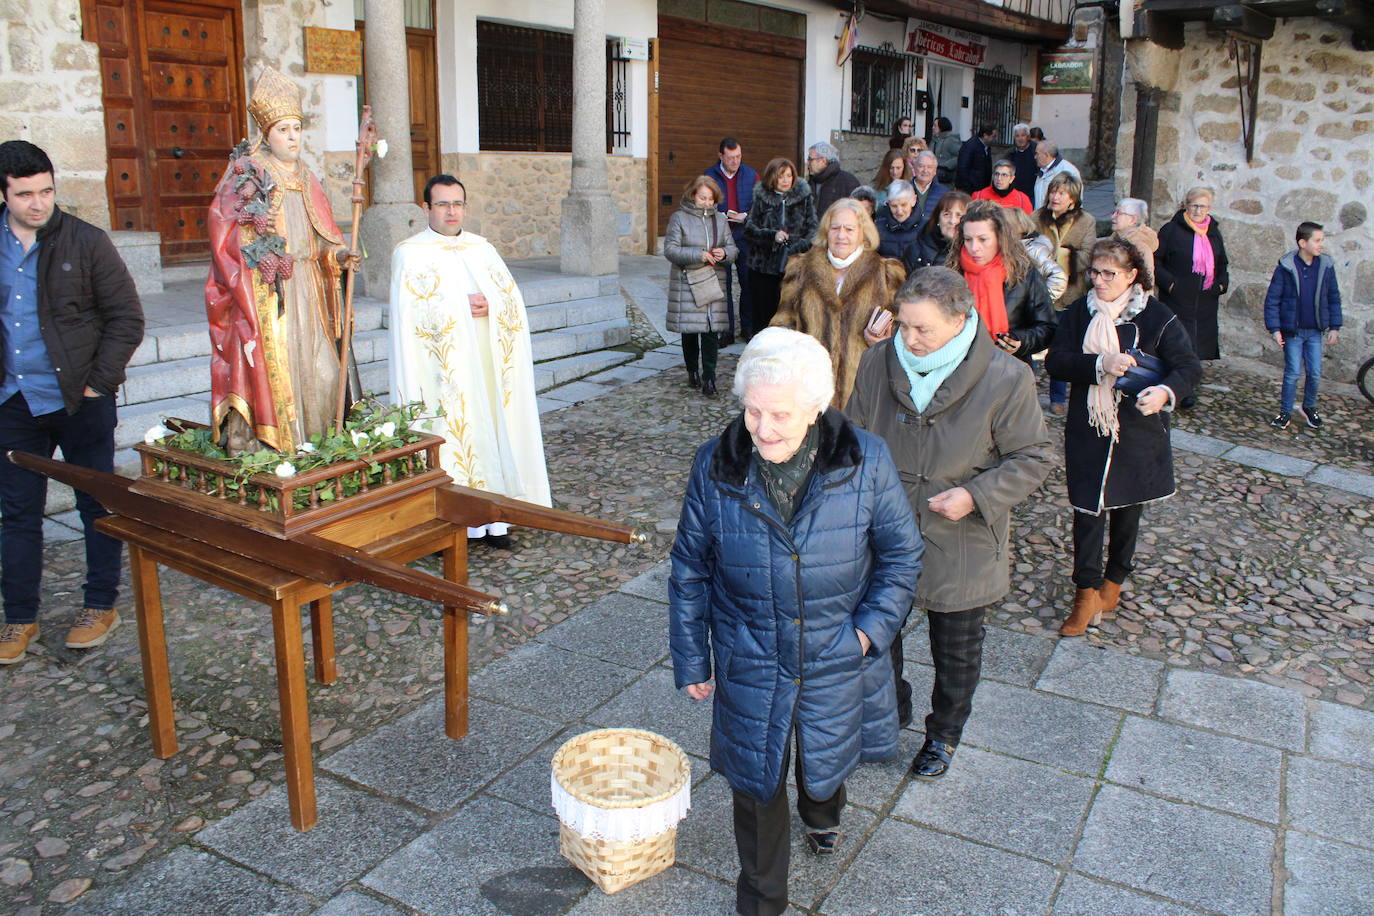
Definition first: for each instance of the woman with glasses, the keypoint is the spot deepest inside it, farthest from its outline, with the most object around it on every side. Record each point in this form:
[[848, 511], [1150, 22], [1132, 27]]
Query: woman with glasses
[[1190, 268], [1129, 363], [1001, 191]]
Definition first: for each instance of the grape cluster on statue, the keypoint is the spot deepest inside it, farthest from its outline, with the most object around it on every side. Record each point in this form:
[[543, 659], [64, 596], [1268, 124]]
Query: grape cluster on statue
[[273, 295]]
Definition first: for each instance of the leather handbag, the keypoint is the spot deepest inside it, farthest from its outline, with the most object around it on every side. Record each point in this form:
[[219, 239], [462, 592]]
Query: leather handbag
[[1147, 372], [704, 283]]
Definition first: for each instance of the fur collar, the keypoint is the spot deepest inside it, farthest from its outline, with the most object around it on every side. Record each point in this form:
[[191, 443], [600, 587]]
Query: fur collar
[[818, 277], [838, 448]]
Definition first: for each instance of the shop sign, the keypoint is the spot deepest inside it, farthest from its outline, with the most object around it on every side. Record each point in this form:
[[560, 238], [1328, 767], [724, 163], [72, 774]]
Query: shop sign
[[934, 40], [1065, 72]]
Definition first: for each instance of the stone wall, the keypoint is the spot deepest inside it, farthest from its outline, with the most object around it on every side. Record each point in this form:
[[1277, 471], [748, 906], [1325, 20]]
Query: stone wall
[[517, 197], [50, 83], [860, 154], [1312, 162]]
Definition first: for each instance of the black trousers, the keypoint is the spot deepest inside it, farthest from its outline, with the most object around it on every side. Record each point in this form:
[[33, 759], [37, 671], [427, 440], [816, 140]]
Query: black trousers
[[707, 345], [956, 648], [1121, 526], [764, 292], [763, 836]]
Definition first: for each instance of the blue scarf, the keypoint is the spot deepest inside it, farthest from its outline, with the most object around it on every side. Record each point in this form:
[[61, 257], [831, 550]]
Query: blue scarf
[[927, 373]]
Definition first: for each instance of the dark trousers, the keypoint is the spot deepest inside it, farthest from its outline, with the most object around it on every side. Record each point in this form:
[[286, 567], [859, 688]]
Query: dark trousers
[[86, 438], [763, 836], [1124, 525], [708, 346], [741, 324], [956, 648], [764, 292]]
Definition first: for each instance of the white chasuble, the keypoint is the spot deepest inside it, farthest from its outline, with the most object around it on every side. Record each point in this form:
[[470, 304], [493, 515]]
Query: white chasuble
[[479, 370]]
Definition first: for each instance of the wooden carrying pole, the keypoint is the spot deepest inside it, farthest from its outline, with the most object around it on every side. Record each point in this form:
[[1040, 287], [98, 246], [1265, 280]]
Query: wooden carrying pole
[[367, 141]]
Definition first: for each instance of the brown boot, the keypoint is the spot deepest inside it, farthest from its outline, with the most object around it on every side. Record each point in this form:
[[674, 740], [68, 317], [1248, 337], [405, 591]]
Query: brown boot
[[1110, 592], [1087, 611]]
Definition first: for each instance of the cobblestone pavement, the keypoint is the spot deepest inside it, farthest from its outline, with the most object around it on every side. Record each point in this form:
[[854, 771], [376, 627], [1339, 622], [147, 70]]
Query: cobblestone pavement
[[1247, 572]]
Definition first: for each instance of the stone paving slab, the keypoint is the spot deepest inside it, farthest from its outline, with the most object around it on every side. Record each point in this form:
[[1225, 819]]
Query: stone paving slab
[[550, 681], [651, 584], [1014, 805], [653, 702], [188, 881], [1342, 733], [908, 869], [1084, 671], [1189, 854], [1247, 709], [579, 391], [1199, 444], [354, 903], [621, 629], [489, 858], [1326, 878], [1055, 731], [674, 892], [356, 830], [1014, 658], [412, 759], [1199, 767], [1352, 481], [1269, 461], [1332, 800], [1081, 896]]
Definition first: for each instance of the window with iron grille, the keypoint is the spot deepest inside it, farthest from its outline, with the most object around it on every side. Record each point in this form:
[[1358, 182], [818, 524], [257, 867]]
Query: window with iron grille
[[524, 89], [994, 101], [882, 85], [617, 103]]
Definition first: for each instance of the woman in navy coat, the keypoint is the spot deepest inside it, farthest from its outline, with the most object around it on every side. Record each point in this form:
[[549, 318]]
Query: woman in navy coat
[[794, 567]]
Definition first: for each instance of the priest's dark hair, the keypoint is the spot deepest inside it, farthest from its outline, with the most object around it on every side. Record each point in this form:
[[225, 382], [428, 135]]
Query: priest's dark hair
[[448, 181]]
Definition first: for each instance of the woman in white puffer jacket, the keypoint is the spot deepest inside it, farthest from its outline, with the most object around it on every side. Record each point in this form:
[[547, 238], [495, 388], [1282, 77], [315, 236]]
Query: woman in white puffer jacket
[[1041, 251]]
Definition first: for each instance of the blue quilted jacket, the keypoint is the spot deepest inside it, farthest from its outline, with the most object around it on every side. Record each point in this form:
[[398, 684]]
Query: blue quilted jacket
[[771, 608]]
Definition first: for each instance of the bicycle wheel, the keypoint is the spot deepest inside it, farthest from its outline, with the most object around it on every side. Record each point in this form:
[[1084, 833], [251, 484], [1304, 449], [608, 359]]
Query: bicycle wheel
[[1365, 378]]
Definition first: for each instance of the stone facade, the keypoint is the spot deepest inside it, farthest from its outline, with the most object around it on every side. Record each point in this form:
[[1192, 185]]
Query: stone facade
[[1312, 162], [50, 81], [517, 197]]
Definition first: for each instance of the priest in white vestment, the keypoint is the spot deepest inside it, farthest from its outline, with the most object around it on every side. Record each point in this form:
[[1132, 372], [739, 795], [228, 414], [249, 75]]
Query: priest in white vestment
[[460, 341]]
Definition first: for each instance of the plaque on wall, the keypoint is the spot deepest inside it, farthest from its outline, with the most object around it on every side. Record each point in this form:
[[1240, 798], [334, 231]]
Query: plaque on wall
[[333, 51], [1065, 72]]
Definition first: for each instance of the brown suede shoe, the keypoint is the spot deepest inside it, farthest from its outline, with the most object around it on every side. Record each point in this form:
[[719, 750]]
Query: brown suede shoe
[[14, 641], [92, 628], [1087, 611], [1110, 593]]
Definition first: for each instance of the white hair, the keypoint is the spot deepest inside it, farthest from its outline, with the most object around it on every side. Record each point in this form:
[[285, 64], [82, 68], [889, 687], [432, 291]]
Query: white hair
[[1021, 127], [781, 356], [826, 150], [924, 153], [900, 188], [1134, 206]]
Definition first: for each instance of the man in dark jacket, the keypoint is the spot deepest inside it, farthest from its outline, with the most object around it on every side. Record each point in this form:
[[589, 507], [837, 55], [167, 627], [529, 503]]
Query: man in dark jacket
[[736, 182], [829, 182], [975, 161], [1302, 306], [1022, 157], [71, 321]]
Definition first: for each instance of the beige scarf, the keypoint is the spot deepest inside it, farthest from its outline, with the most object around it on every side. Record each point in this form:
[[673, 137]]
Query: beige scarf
[[1101, 338]]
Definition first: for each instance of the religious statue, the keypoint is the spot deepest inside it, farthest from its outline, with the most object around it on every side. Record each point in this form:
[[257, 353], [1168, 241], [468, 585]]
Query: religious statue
[[273, 297]]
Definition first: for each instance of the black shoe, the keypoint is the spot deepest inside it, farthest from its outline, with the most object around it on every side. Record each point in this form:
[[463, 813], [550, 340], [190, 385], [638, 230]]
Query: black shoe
[[1281, 421], [727, 340], [708, 387], [1187, 403], [693, 379], [823, 842], [498, 541], [1314, 420], [932, 761]]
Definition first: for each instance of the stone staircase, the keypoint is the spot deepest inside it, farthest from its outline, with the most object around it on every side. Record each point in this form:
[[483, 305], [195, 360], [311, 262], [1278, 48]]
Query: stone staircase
[[573, 322]]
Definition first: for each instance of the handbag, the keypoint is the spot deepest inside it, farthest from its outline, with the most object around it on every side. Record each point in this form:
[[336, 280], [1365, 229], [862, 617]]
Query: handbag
[[1147, 372], [703, 281]]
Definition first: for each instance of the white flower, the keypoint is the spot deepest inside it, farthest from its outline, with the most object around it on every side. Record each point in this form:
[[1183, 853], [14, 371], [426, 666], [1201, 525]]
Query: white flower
[[286, 469], [387, 429], [157, 432], [306, 448], [359, 438], [381, 149]]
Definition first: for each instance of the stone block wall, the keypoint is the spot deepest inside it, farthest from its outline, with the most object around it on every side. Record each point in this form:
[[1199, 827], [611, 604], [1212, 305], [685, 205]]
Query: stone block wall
[[50, 83], [516, 199], [860, 154], [1314, 142]]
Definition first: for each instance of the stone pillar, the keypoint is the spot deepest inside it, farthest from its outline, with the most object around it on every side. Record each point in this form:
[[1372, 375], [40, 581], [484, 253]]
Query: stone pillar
[[588, 245], [393, 215]]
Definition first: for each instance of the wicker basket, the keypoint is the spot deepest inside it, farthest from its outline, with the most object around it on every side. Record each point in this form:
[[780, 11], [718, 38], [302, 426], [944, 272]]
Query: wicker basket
[[619, 793]]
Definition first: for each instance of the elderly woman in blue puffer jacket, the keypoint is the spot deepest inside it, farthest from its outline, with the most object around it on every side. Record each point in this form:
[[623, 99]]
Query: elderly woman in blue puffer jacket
[[795, 564]]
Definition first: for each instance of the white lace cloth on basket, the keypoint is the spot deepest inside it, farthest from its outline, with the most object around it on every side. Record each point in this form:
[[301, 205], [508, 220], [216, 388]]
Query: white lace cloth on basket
[[619, 825]]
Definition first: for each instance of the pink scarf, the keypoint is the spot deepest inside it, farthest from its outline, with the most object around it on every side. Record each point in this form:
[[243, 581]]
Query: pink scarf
[[1204, 261]]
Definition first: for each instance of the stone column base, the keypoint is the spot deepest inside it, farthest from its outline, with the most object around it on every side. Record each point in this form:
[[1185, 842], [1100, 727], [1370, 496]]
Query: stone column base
[[383, 227], [142, 254], [589, 246]]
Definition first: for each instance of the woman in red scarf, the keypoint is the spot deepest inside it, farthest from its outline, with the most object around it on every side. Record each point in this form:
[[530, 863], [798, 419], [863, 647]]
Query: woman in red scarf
[[1008, 292], [1190, 269]]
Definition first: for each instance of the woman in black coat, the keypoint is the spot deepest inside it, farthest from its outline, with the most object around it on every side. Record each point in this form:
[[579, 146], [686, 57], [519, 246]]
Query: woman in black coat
[[1116, 444], [937, 236], [1189, 245], [781, 221]]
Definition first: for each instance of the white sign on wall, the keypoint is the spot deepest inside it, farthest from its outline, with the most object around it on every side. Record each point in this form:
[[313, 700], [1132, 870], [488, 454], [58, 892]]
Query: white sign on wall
[[934, 40]]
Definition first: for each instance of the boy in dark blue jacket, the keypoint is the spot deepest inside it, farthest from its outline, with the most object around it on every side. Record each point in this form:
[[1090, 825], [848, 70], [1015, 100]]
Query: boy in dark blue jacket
[[1302, 307]]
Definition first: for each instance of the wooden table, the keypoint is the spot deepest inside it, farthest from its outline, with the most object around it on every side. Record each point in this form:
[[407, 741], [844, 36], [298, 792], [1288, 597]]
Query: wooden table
[[407, 532]]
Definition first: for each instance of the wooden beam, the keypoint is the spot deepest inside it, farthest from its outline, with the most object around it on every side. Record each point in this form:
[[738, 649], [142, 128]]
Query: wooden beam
[[1164, 30], [1237, 17], [1354, 13]]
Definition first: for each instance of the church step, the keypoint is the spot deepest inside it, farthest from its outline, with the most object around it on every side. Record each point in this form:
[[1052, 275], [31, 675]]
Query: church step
[[61, 498], [557, 315], [555, 372], [542, 289], [137, 419], [580, 339]]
